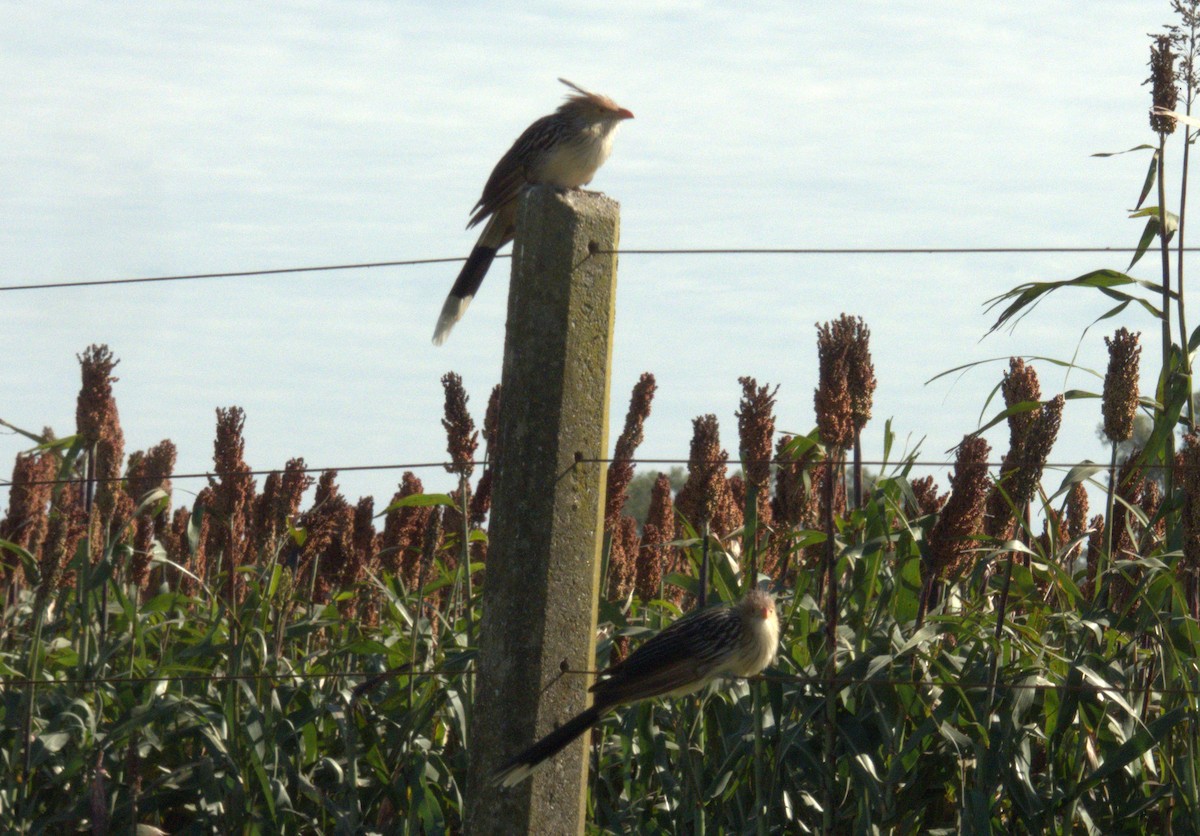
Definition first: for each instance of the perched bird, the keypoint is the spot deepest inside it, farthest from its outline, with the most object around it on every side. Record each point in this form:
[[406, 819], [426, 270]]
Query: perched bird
[[726, 641], [564, 150]]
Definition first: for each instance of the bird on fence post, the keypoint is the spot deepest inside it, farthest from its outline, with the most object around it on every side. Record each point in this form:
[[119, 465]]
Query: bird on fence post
[[563, 150], [736, 640]]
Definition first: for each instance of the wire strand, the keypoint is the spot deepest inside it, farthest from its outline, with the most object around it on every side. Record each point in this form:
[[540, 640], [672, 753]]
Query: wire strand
[[918, 463], [210, 474], [870, 250], [278, 271], [798, 679], [235, 274]]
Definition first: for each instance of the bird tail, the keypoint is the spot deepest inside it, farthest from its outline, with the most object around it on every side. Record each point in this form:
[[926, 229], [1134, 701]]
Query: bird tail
[[523, 765], [468, 282], [497, 233]]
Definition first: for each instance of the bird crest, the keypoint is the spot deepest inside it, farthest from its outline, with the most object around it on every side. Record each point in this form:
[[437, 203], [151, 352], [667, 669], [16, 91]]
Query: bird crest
[[587, 97]]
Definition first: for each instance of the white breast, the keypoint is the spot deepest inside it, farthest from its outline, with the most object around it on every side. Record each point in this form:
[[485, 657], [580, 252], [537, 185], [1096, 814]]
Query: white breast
[[573, 164]]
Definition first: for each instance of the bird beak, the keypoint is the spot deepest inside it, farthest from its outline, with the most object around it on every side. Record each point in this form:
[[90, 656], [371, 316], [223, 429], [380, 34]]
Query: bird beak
[[625, 114]]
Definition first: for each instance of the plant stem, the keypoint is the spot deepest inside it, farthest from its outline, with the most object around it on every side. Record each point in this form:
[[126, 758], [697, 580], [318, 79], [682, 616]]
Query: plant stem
[[1100, 592], [750, 536], [1169, 456], [761, 811], [858, 476], [693, 781], [466, 556], [831, 597], [1183, 332], [1001, 606], [312, 597], [1193, 756], [35, 654], [468, 680], [831, 619]]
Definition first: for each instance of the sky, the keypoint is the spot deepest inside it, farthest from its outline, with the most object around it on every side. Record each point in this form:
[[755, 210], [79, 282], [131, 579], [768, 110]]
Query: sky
[[198, 137]]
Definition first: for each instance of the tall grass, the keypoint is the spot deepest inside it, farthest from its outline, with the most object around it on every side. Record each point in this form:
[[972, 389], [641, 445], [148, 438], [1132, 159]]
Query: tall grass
[[315, 699]]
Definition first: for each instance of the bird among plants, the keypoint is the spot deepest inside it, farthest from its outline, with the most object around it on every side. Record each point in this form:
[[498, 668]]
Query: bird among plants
[[728, 641]]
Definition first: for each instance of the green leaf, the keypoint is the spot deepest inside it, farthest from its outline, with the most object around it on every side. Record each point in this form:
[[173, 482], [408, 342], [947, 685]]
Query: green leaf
[[889, 437], [28, 561], [1079, 473], [907, 600], [40, 440], [799, 446], [156, 499], [1063, 716], [1029, 406], [1153, 213], [1105, 691], [1025, 297], [54, 741], [1151, 174], [1148, 235], [1164, 424], [193, 528], [1142, 147], [420, 500], [927, 633], [297, 534], [1141, 742], [877, 664], [1015, 409], [954, 736], [273, 582], [1007, 357]]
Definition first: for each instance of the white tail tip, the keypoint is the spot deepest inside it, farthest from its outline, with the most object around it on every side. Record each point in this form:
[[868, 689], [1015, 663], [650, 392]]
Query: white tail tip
[[452, 312], [512, 776]]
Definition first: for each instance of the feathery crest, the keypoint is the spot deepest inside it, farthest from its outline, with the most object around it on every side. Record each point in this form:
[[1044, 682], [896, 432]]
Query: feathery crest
[[587, 97]]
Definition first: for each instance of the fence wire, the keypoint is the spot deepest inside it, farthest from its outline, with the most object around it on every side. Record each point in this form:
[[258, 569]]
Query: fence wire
[[801, 251], [837, 682], [452, 466]]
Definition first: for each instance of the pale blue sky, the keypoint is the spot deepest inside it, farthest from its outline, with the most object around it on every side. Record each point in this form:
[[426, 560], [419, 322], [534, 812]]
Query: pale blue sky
[[147, 138]]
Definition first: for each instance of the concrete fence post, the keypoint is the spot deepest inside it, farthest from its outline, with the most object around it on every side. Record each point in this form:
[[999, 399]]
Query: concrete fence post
[[543, 566]]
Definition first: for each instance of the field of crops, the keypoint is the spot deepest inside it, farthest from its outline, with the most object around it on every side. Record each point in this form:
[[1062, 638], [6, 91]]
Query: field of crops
[[249, 665]]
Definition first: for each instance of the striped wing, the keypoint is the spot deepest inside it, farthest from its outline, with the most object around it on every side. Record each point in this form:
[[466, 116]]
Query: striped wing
[[511, 174], [679, 660]]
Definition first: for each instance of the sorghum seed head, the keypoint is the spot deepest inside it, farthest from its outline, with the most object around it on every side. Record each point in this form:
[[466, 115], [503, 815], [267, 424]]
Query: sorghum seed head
[[1188, 470], [756, 430], [706, 469], [1120, 399], [1020, 385], [1162, 80], [462, 439], [620, 471], [962, 516], [832, 400]]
